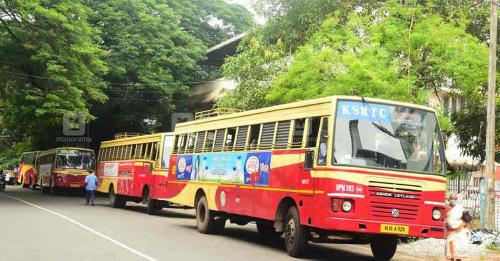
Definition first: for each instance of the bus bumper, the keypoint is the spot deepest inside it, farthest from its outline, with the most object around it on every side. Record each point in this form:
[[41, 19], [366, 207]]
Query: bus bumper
[[375, 227]]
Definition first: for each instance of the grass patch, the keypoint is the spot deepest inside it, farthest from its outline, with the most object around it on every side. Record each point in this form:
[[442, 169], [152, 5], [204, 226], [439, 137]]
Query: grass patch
[[492, 247]]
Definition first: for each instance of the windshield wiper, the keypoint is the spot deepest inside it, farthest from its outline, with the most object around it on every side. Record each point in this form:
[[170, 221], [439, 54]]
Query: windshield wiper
[[383, 129], [377, 124]]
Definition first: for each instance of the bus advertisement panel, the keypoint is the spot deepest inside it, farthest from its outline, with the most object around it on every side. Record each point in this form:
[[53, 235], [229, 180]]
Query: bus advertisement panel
[[362, 170]]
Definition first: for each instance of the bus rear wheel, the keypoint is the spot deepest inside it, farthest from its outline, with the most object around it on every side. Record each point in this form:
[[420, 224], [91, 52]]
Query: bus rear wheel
[[383, 246], [205, 218], [296, 235], [115, 201]]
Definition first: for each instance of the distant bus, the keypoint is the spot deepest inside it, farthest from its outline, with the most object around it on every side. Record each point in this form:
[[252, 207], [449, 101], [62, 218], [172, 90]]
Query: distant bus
[[27, 174], [64, 168], [335, 169], [130, 168]]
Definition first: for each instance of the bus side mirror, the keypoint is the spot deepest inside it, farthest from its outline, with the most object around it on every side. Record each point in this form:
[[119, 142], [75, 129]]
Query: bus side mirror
[[309, 160]]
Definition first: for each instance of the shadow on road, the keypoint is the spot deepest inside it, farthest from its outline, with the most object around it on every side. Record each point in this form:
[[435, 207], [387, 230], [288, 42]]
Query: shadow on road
[[162, 213], [315, 251]]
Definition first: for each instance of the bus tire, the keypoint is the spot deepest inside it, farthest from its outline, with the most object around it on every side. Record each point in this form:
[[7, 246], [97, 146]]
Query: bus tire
[[384, 246], [205, 221], [115, 201], [296, 235], [152, 206], [267, 232]]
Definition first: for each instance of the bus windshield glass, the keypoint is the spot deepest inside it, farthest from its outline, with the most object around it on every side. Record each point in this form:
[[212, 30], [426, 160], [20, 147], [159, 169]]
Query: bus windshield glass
[[387, 136], [75, 159]]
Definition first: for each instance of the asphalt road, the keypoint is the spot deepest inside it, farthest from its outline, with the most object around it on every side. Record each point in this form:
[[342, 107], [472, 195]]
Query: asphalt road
[[42, 227]]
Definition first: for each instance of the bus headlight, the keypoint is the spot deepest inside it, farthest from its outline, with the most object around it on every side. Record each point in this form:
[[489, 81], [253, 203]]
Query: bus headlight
[[347, 206], [436, 214]]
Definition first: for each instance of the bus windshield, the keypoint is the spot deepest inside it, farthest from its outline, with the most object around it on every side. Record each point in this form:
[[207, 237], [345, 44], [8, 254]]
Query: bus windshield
[[75, 159], [387, 136]]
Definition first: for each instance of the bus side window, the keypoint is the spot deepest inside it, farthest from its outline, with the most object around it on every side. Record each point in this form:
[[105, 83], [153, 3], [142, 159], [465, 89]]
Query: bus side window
[[200, 141], [322, 143], [210, 141], [267, 135], [132, 153], [219, 139], [230, 137], [241, 138], [298, 133], [154, 151], [254, 137], [312, 131], [190, 142], [282, 135]]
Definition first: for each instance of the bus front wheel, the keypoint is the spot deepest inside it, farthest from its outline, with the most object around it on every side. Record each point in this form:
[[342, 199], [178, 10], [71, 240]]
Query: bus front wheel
[[383, 246], [116, 201], [296, 235]]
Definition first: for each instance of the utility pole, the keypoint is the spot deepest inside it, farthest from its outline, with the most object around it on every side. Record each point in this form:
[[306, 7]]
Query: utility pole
[[490, 120]]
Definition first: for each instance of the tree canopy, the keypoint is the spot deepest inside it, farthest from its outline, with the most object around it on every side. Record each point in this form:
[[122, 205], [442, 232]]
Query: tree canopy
[[398, 50], [121, 64]]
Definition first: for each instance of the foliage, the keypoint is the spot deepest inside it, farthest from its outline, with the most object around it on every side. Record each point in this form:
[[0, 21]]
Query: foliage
[[256, 63], [395, 52], [50, 64], [212, 21], [470, 128], [9, 158]]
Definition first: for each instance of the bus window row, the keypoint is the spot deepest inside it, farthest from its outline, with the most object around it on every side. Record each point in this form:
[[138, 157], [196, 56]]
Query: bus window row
[[144, 151], [290, 134]]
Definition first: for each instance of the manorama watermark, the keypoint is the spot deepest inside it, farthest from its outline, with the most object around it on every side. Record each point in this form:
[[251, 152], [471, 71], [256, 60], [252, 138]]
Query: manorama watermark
[[74, 128]]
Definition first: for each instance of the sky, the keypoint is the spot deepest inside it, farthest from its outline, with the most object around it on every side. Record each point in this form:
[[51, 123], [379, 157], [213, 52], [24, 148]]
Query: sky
[[248, 4]]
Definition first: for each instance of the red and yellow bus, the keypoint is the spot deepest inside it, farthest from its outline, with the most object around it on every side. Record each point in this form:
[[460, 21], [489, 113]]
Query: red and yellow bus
[[64, 168], [335, 169], [27, 173], [130, 168]]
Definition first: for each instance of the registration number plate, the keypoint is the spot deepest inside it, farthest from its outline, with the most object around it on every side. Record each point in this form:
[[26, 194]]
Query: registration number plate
[[74, 185], [394, 229]]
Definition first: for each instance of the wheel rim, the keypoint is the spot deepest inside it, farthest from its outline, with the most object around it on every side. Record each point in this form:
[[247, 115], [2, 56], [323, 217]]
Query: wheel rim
[[290, 232]]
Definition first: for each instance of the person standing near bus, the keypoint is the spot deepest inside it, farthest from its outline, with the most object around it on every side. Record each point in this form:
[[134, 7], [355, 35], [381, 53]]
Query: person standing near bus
[[90, 187]]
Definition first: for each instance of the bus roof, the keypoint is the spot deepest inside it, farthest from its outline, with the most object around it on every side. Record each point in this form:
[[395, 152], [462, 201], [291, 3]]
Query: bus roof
[[46, 152], [288, 111], [156, 137]]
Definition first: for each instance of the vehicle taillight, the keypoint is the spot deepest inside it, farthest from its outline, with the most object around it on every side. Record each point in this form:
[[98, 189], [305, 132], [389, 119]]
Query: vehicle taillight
[[347, 206]]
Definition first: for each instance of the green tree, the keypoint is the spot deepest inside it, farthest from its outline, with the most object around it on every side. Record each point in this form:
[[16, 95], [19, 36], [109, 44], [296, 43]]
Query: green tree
[[50, 64], [212, 21], [396, 52]]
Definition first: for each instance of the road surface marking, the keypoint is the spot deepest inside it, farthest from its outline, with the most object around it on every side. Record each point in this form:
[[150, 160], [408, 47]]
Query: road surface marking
[[146, 257]]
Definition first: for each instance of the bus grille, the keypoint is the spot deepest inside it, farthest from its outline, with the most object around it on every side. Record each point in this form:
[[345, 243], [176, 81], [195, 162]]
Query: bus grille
[[395, 200]]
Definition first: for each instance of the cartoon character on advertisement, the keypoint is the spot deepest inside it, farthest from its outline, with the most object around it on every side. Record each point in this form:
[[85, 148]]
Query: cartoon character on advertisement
[[257, 168]]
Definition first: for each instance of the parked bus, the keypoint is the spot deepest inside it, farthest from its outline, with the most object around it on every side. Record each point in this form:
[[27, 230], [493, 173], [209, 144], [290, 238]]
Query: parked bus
[[64, 168], [336, 169], [129, 168], [27, 173]]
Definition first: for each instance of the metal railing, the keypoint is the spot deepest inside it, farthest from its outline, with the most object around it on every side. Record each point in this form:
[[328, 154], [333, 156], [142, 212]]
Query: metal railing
[[214, 113], [123, 135]]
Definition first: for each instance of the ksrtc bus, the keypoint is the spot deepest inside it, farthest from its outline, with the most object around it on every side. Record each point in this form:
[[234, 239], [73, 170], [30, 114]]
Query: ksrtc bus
[[64, 168], [27, 174], [359, 169], [130, 169]]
